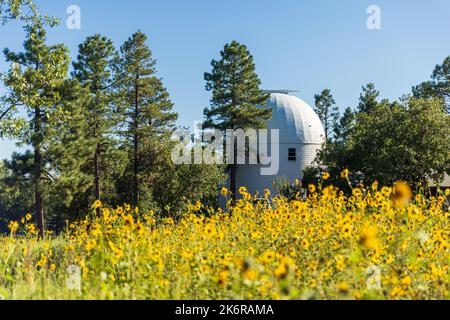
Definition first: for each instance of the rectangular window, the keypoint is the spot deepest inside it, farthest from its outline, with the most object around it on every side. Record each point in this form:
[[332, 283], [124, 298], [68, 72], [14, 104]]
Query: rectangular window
[[292, 154]]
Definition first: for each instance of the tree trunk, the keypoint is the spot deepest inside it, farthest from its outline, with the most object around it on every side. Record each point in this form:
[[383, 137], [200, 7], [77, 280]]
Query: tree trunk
[[97, 175], [135, 172], [38, 197], [135, 196], [233, 171]]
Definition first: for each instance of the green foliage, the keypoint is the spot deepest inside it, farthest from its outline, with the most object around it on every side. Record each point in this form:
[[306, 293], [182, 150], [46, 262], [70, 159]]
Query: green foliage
[[405, 140], [24, 10], [34, 80], [286, 189], [99, 134], [328, 112], [147, 116], [167, 188], [69, 153], [180, 185], [343, 126], [438, 86], [64, 184], [16, 185], [35, 77], [236, 92], [95, 70], [368, 98], [336, 154], [236, 95]]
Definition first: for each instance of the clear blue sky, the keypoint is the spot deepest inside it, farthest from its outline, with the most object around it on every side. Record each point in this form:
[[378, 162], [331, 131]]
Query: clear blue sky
[[297, 44]]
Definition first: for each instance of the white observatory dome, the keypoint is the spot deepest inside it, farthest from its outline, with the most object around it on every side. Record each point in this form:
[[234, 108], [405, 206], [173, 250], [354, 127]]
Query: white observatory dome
[[301, 136], [296, 120]]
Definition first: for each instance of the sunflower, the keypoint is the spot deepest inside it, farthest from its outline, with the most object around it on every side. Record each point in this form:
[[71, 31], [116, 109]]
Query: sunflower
[[97, 204], [402, 193], [224, 191]]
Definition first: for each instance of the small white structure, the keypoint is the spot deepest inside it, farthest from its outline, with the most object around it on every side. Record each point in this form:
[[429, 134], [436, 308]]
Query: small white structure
[[301, 137]]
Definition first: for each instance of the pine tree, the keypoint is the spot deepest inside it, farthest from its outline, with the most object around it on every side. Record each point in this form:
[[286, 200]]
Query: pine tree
[[236, 95], [34, 79], [70, 148], [368, 98], [328, 112], [344, 125], [438, 86], [94, 69], [147, 108]]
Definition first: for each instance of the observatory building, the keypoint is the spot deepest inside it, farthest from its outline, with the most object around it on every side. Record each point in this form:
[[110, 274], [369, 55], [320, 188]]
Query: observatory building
[[301, 136]]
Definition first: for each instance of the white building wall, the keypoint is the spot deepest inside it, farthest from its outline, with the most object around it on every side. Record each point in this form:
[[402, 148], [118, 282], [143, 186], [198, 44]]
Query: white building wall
[[249, 176], [308, 154], [300, 128]]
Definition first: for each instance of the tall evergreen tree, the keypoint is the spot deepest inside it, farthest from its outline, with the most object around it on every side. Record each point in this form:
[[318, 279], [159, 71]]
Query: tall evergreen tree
[[337, 153], [94, 69], [147, 108], [236, 94], [70, 148], [343, 127], [328, 112], [368, 98], [34, 79]]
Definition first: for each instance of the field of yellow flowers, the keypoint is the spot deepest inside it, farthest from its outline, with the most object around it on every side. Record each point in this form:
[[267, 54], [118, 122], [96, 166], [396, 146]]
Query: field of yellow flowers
[[379, 243]]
